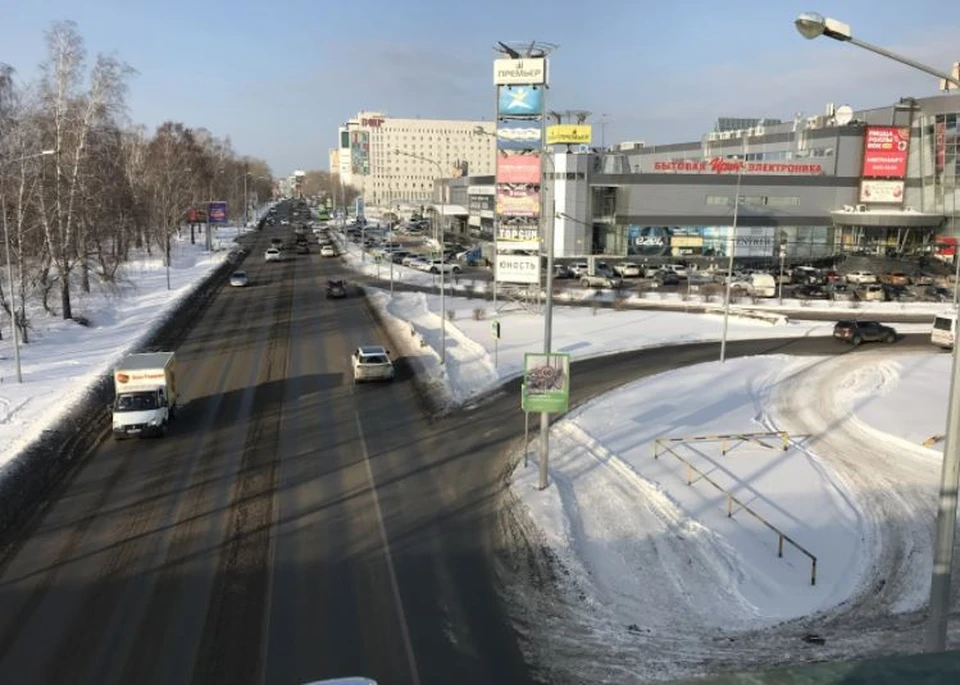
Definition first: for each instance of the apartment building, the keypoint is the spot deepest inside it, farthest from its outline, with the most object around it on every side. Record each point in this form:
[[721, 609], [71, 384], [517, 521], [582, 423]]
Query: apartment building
[[395, 161]]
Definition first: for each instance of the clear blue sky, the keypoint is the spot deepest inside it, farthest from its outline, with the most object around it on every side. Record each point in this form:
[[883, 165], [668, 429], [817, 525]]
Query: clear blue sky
[[278, 77]]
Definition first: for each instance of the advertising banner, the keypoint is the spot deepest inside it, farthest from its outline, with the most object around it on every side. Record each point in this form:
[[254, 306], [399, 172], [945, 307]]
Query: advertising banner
[[648, 241], [754, 241], [518, 166], [358, 208], [518, 134], [941, 144], [518, 234], [518, 268], [546, 383], [885, 151], [518, 199], [480, 203], [520, 72], [360, 152], [217, 212], [881, 191], [560, 134], [519, 101]]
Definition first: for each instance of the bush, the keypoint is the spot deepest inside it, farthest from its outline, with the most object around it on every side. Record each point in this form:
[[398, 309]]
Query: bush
[[710, 291], [83, 321], [451, 314], [469, 290], [479, 313], [620, 302]]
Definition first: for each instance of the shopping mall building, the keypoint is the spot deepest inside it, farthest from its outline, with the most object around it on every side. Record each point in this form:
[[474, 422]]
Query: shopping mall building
[[875, 181]]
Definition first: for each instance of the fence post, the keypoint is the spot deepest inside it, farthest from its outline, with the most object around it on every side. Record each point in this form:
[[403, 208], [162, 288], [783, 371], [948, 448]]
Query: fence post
[[689, 472], [780, 545], [723, 448], [786, 440], [729, 506], [656, 451], [813, 571]]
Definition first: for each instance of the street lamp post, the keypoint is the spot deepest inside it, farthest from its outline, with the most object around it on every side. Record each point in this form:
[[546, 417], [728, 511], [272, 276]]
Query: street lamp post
[[812, 25], [15, 334], [443, 262], [783, 258], [732, 249]]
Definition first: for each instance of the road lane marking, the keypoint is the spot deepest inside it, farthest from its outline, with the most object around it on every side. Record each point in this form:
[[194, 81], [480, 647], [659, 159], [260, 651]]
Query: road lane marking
[[394, 585]]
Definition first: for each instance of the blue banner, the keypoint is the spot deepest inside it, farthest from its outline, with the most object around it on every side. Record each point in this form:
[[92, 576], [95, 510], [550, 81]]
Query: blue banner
[[217, 212], [520, 101]]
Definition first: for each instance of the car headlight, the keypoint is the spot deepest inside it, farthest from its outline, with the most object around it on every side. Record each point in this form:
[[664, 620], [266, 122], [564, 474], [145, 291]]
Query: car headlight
[[154, 422]]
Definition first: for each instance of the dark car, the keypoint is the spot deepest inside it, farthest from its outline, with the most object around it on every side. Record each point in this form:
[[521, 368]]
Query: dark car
[[935, 293], [562, 271], [336, 289], [667, 278], [856, 332], [303, 248], [811, 292]]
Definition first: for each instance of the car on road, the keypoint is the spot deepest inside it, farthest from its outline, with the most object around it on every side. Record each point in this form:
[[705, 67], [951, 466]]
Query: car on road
[[238, 279], [857, 332], [336, 289], [602, 277], [435, 266], [303, 248], [328, 251], [273, 255], [665, 277], [371, 363]]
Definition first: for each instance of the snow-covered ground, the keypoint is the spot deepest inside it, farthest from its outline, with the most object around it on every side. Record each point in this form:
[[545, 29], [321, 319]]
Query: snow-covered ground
[[64, 358]]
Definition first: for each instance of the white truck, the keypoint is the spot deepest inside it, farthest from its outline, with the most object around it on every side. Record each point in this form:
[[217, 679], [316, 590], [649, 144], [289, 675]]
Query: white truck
[[146, 394]]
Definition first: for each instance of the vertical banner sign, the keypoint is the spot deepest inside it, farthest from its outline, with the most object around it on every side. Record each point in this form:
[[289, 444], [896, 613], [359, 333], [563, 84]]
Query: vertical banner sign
[[217, 212], [359, 207], [521, 94], [546, 383]]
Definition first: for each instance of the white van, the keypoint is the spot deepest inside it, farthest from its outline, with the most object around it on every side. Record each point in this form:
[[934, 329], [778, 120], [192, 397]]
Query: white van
[[944, 330], [763, 285]]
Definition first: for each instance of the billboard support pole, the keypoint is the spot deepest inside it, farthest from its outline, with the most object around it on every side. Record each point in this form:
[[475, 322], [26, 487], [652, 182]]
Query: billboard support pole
[[208, 233], [732, 247], [548, 226]]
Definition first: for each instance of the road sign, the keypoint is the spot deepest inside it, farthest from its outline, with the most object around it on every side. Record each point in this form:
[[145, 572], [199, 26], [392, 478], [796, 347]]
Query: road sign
[[546, 383], [378, 259], [495, 329]]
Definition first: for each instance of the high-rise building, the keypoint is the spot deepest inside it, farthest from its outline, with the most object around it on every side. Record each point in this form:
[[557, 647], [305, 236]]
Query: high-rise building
[[429, 149]]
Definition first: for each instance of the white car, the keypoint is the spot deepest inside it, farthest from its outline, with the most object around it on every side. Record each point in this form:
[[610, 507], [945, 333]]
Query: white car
[[238, 279], [273, 255], [435, 266], [861, 277], [328, 251], [626, 270], [371, 363]]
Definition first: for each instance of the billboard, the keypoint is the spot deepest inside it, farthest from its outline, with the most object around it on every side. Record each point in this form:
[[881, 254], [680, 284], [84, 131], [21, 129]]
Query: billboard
[[518, 134], [520, 72], [881, 191], [518, 234], [217, 212], [518, 199], [518, 268], [546, 382], [360, 152], [519, 101], [885, 151], [359, 206], [518, 166], [569, 134]]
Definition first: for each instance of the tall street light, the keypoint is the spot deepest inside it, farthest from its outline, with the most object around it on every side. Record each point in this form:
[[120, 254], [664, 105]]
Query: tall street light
[[443, 261], [481, 131], [732, 249], [811, 25], [15, 334]]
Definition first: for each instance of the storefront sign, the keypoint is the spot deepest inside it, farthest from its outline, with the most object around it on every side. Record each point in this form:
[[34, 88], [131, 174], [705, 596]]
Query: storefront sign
[[520, 72], [521, 268], [754, 241], [518, 237], [720, 165], [880, 191], [371, 123], [560, 134], [885, 151]]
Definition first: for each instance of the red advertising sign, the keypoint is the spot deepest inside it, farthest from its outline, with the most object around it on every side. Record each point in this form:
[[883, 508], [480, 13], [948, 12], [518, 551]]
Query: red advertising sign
[[885, 151], [941, 145], [519, 167], [721, 165], [518, 200]]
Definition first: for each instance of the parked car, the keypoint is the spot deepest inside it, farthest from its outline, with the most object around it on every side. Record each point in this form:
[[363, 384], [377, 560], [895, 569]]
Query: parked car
[[371, 363], [895, 278], [856, 332], [238, 279], [435, 266], [562, 271], [602, 277], [579, 269], [666, 278], [935, 293], [811, 292], [861, 277], [841, 292], [871, 292], [626, 270]]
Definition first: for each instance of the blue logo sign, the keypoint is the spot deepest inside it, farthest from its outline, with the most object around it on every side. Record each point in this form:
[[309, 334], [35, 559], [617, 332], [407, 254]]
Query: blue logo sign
[[217, 212], [520, 101]]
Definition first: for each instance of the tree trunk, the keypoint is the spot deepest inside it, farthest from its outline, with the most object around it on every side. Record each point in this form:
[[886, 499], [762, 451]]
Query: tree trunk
[[85, 276], [67, 312]]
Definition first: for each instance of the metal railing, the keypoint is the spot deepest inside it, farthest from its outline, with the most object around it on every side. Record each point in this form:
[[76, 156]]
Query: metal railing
[[660, 446]]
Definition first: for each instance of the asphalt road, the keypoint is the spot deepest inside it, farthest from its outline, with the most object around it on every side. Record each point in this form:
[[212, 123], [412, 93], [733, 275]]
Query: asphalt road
[[291, 526]]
